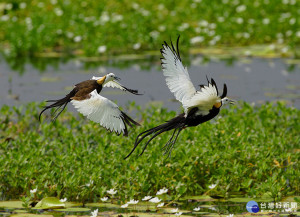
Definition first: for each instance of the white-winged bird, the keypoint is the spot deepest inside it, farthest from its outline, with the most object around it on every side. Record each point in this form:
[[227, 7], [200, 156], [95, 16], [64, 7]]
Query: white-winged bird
[[86, 99], [199, 105]]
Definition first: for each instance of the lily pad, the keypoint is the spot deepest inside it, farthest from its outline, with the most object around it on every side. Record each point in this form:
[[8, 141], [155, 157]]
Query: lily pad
[[75, 209], [50, 203], [200, 198], [30, 215], [20, 211], [11, 204]]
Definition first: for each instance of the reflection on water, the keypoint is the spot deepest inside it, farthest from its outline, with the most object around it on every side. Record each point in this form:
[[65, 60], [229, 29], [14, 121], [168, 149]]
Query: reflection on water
[[251, 80]]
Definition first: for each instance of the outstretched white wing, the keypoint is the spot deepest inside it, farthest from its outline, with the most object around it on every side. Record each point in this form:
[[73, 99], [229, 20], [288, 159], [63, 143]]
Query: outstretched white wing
[[204, 99], [101, 110], [115, 84], [177, 76]]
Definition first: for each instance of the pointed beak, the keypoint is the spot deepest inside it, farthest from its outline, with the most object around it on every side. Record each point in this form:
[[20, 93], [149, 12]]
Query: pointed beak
[[231, 101], [117, 78]]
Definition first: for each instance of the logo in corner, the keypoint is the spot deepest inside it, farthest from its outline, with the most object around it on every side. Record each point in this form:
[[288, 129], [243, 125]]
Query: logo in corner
[[252, 206]]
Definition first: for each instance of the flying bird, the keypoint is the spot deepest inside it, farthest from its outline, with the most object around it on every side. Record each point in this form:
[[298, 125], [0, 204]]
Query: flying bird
[[86, 99], [199, 105]]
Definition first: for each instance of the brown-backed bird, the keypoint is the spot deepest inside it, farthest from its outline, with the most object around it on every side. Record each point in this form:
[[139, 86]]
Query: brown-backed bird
[[199, 105], [86, 99]]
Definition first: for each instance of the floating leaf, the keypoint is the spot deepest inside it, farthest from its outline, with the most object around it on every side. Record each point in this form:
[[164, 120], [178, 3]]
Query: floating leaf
[[11, 204], [50, 203], [75, 209], [30, 215]]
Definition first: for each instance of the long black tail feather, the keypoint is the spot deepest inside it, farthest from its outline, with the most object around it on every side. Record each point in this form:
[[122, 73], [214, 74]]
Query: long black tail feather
[[128, 120], [59, 104], [176, 123]]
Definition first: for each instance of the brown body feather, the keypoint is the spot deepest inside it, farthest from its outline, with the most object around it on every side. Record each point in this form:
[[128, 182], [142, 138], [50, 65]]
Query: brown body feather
[[81, 91]]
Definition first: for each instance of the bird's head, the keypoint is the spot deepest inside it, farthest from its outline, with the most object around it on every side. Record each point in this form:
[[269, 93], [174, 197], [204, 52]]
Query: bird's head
[[226, 100], [111, 77], [106, 78]]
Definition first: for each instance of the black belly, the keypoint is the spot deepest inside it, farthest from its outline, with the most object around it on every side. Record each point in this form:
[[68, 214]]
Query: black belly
[[193, 120]]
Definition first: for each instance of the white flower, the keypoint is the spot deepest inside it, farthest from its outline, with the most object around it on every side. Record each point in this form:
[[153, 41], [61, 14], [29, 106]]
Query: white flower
[[4, 18], [124, 205], [33, 191], [104, 17], [154, 34], [292, 21], [197, 39], [203, 23], [101, 49], [183, 27], [161, 28], [133, 201], [104, 199], [174, 210], [77, 38], [241, 8], [266, 21], [196, 209], [298, 34], [63, 200], [161, 205], [239, 20], [8, 6], [112, 191], [155, 200], [212, 186], [58, 12], [146, 198], [162, 191], [136, 46], [23, 5], [230, 215], [221, 19], [94, 213], [178, 213]]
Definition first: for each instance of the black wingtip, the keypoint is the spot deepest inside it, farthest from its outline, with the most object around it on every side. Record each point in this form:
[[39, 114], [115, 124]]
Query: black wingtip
[[224, 94], [177, 47]]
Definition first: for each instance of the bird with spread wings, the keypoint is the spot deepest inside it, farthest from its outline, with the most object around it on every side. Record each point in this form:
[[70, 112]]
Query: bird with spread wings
[[199, 105], [86, 99]]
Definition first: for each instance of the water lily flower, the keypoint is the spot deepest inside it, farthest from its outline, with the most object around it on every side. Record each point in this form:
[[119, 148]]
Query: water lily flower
[[178, 213], [133, 201], [124, 205], [112, 191], [33, 191], [196, 209], [155, 200], [230, 215], [104, 199], [63, 200], [162, 191], [212, 186], [146, 198], [174, 210], [101, 49], [94, 213], [161, 205]]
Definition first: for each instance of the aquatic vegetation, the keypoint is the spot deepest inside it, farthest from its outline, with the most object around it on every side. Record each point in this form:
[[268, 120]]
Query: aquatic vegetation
[[117, 27], [249, 150]]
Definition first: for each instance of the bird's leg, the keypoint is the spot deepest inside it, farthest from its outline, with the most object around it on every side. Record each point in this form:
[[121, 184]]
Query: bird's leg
[[170, 147], [59, 111], [169, 139]]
